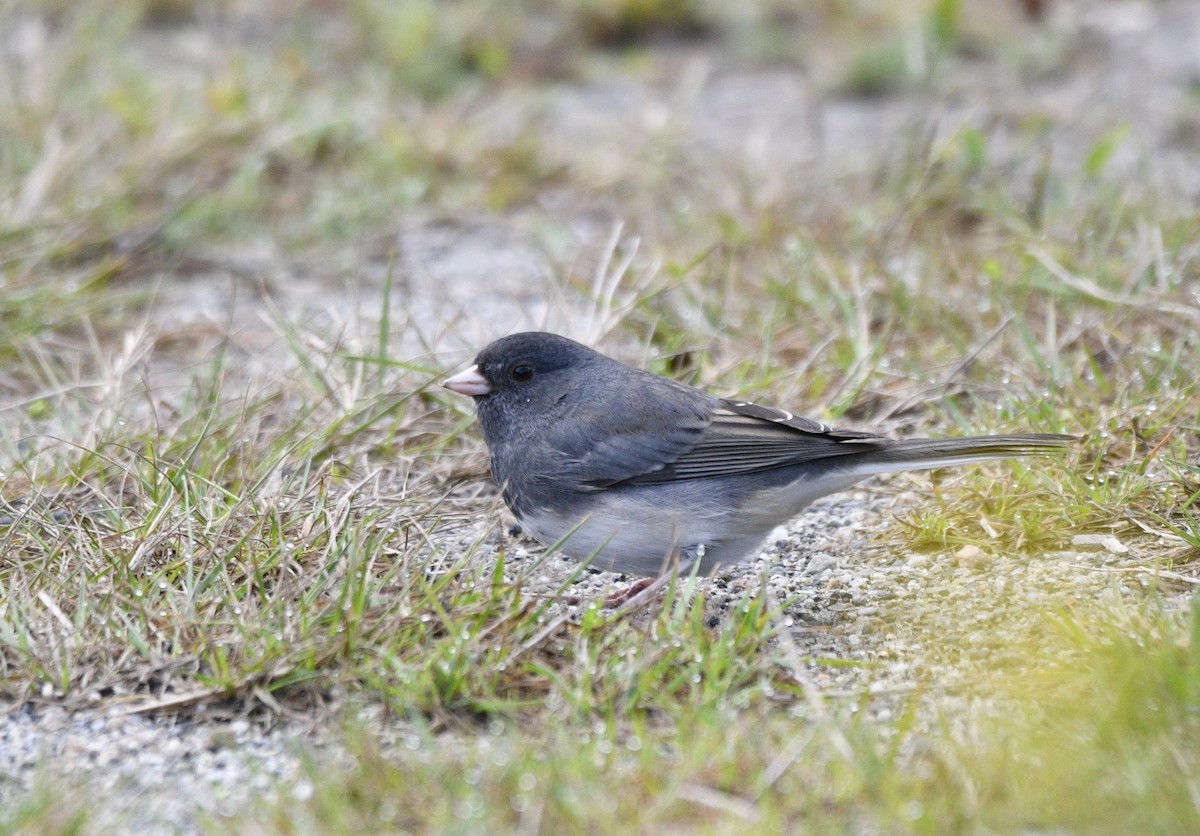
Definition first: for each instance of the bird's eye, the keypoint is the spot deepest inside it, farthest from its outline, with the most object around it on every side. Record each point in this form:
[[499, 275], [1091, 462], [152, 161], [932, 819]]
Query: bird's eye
[[522, 373]]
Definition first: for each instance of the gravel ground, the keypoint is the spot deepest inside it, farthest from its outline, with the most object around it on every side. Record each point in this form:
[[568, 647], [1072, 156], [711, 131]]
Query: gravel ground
[[155, 776]]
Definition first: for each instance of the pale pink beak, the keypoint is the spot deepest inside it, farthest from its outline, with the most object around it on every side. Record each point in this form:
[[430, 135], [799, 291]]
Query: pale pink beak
[[469, 382]]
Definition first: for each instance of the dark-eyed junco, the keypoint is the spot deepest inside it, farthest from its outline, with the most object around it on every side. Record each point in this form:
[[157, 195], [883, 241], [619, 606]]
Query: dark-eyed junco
[[634, 471]]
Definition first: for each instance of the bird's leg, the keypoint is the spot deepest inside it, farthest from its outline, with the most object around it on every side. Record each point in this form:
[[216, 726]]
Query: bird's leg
[[633, 590], [644, 591], [622, 595]]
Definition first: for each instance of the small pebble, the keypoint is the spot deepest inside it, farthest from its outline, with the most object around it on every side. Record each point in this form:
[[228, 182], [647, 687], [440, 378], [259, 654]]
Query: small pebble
[[972, 556], [1099, 543]]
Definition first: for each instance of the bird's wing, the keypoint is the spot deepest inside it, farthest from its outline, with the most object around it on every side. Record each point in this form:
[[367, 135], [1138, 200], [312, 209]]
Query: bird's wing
[[606, 444], [664, 437], [744, 438]]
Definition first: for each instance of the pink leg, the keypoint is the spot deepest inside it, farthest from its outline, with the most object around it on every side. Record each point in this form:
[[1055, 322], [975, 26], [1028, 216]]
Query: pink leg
[[647, 589]]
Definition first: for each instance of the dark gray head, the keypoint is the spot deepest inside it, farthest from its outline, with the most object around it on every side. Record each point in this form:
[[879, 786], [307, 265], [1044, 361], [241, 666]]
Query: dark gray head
[[522, 378]]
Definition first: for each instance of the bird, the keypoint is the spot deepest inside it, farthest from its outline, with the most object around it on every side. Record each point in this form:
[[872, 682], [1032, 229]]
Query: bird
[[639, 474]]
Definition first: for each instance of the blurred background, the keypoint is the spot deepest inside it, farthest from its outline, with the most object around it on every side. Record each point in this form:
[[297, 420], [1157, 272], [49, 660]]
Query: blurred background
[[692, 169]]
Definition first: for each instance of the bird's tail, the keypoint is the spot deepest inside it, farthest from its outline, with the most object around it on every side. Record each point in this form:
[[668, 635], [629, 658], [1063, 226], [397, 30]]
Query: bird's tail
[[929, 453]]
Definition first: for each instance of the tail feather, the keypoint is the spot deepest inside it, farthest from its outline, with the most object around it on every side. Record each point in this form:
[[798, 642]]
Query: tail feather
[[929, 453]]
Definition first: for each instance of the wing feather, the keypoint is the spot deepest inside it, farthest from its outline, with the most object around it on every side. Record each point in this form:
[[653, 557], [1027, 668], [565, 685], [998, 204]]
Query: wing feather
[[743, 437], [605, 445]]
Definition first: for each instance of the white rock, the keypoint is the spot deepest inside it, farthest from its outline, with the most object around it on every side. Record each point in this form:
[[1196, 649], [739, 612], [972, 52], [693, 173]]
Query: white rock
[[1099, 543]]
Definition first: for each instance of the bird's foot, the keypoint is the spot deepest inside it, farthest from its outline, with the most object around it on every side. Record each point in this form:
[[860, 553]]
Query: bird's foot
[[646, 590], [617, 598], [632, 591]]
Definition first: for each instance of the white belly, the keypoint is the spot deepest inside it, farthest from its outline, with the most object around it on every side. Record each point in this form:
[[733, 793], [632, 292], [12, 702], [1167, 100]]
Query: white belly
[[642, 530]]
